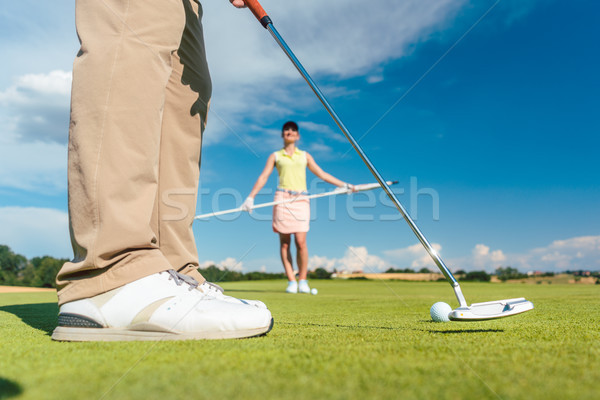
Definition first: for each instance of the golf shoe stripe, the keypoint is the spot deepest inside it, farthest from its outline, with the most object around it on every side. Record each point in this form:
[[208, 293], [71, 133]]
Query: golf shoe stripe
[[146, 313], [103, 298]]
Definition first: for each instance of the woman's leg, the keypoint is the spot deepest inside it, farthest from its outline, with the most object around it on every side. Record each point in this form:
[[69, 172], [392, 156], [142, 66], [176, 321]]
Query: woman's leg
[[286, 255], [301, 254]]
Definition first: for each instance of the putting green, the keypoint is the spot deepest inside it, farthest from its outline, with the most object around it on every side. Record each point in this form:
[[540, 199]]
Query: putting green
[[354, 340]]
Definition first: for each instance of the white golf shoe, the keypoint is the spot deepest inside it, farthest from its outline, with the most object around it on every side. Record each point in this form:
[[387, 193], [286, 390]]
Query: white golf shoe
[[163, 306], [292, 287], [218, 292], [303, 286]]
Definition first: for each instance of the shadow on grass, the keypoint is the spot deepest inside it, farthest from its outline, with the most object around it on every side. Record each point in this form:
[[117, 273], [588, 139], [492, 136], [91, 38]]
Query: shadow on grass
[[451, 331], [253, 291], [42, 316], [9, 388], [338, 326]]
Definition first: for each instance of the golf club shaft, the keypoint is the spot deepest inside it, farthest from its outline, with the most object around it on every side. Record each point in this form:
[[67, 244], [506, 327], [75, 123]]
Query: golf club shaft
[[357, 188], [264, 19]]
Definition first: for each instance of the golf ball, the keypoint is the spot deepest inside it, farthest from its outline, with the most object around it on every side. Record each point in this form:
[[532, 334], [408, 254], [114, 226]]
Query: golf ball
[[439, 312], [314, 291]]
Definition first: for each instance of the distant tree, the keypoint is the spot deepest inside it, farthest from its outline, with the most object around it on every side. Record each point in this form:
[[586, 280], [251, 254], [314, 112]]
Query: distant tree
[[319, 273], [476, 276], [400, 271], [16, 270], [506, 273], [425, 270], [254, 276], [460, 272], [28, 275], [45, 269], [11, 265], [215, 274], [261, 276]]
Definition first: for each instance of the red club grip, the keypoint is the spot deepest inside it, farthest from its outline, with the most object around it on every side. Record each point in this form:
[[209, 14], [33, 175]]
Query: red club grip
[[258, 12]]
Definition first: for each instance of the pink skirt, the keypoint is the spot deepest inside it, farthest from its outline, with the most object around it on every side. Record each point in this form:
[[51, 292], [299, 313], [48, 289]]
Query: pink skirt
[[293, 216]]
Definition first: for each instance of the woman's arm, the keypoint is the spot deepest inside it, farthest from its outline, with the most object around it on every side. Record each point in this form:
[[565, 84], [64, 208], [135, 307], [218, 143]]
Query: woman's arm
[[264, 176], [260, 182], [315, 169]]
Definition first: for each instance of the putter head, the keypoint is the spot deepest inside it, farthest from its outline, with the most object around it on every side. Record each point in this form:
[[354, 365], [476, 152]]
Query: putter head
[[491, 310]]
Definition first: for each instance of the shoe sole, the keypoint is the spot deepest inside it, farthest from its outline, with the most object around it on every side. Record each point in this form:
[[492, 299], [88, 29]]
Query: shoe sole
[[74, 334]]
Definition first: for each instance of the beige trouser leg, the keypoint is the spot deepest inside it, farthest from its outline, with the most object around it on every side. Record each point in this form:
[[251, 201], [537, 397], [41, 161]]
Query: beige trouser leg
[[184, 119], [134, 142]]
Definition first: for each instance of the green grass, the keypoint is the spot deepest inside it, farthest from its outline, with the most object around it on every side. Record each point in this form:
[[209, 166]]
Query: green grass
[[355, 340]]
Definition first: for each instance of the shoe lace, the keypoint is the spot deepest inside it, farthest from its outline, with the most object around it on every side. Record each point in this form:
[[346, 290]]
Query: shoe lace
[[213, 288], [216, 287], [180, 279]]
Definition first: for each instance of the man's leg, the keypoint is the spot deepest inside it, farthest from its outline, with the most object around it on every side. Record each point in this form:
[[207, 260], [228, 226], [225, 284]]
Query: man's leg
[[184, 118], [120, 286], [119, 80]]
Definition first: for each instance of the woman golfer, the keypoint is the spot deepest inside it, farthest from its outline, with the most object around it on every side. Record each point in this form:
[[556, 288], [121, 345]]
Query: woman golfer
[[291, 218]]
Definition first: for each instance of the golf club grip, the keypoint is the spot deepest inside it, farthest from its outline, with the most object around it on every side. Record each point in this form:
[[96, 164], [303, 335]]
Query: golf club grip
[[258, 11]]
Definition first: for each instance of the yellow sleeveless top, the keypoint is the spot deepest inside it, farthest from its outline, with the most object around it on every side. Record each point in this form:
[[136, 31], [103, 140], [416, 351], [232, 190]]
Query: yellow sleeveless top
[[292, 170]]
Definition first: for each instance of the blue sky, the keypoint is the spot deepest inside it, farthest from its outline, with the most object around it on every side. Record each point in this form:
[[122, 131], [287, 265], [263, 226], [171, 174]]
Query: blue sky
[[486, 112]]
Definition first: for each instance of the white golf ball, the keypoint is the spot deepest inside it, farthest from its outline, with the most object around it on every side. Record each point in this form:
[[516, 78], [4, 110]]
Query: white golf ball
[[439, 312], [314, 291]]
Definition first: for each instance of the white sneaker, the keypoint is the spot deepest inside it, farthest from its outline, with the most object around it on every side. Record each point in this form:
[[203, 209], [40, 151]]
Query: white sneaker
[[303, 286], [163, 306], [218, 292], [292, 287]]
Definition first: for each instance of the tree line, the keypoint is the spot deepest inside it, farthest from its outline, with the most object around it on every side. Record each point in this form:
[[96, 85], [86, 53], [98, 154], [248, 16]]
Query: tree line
[[502, 273], [17, 270]]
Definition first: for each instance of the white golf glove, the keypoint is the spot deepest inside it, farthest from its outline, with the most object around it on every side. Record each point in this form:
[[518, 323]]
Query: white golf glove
[[248, 204], [349, 188]]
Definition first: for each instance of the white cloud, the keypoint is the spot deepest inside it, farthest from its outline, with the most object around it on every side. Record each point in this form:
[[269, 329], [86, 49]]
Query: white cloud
[[253, 78], [36, 107], [55, 82], [482, 258], [36, 42], [321, 150], [229, 263], [516, 10], [343, 40], [35, 232], [375, 78], [414, 256], [569, 254], [355, 259]]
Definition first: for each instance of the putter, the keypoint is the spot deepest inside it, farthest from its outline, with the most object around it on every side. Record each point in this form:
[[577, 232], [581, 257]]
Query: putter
[[474, 312]]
